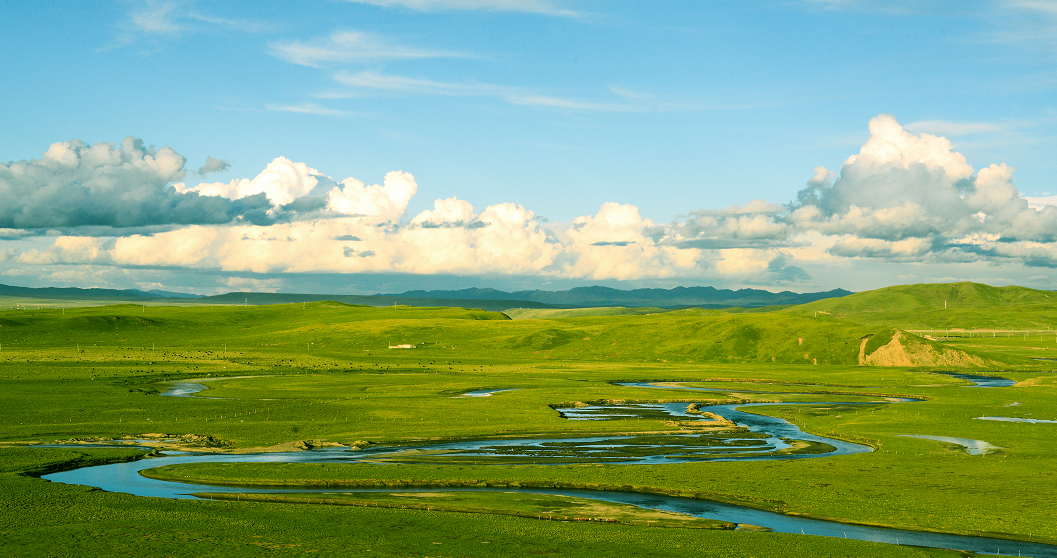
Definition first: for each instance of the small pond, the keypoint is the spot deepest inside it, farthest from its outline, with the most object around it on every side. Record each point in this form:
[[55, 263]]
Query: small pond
[[981, 381], [972, 447], [1014, 419]]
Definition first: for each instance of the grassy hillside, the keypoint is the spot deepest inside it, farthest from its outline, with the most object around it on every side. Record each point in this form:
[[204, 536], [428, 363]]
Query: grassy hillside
[[690, 336], [968, 305]]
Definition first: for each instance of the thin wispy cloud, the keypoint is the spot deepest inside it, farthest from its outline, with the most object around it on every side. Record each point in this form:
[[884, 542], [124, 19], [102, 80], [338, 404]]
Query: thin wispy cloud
[[155, 18], [245, 25], [529, 6], [1047, 6], [170, 19], [513, 95], [1030, 23], [901, 7], [382, 82], [309, 108], [575, 104], [944, 128], [628, 101], [350, 46]]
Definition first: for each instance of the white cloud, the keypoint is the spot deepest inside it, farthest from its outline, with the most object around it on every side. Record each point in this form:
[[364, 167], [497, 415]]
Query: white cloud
[[944, 128], [1040, 202], [379, 203], [1045, 6], [904, 198], [282, 181], [508, 240], [744, 261], [374, 81], [75, 184], [612, 244], [910, 248], [155, 18], [160, 19], [350, 46], [69, 250], [448, 212], [245, 25], [910, 197], [310, 108], [905, 185], [890, 144], [531, 6], [249, 284]]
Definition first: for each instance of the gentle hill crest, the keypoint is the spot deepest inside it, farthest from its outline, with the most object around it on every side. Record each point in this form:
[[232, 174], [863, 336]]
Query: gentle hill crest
[[962, 305], [689, 336]]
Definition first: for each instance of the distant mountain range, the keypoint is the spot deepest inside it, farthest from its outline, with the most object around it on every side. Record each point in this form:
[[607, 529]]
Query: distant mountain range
[[586, 297], [486, 299], [76, 293]]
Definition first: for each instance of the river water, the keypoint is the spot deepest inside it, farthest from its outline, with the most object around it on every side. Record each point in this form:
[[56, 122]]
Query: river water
[[125, 477]]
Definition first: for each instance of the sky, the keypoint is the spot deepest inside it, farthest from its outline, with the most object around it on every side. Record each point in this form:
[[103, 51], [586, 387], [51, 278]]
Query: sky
[[378, 146]]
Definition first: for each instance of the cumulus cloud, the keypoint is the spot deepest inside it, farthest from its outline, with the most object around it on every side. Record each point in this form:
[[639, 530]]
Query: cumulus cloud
[[75, 184], [379, 203], [212, 166], [504, 238], [282, 181], [451, 212], [753, 225], [617, 243], [904, 198], [907, 196], [508, 240]]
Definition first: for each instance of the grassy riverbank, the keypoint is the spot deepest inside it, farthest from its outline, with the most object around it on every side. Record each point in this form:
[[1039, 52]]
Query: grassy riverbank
[[44, 519], [532, 506]]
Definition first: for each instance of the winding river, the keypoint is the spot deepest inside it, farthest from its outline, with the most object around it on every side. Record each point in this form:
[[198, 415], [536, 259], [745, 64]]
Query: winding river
[[772, 435]]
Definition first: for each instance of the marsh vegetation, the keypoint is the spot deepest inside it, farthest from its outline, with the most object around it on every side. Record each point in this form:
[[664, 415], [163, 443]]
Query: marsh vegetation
[[98, 374]]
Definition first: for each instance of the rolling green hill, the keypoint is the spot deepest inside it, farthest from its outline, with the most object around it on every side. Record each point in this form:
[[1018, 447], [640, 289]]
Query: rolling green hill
[[942, 305], [690, 335]]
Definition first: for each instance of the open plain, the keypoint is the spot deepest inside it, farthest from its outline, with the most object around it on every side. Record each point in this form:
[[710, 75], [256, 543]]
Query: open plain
[[872, 370]]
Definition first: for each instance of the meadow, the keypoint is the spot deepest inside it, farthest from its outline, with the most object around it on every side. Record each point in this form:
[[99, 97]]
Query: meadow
[[319, 374]]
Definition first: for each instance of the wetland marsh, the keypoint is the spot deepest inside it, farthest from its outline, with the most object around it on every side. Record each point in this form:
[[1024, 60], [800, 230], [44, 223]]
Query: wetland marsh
[[397, 421]]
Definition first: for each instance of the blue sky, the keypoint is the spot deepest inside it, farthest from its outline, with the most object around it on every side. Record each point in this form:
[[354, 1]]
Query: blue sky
[[373, 145]]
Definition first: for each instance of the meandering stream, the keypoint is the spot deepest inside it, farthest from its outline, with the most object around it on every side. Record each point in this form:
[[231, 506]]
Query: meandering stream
[[771, 437]]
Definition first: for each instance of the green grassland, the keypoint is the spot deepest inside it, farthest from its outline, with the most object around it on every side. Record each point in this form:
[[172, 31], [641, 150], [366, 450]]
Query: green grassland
[[41, 519], [533, 506], [942, 305], [322, 372]]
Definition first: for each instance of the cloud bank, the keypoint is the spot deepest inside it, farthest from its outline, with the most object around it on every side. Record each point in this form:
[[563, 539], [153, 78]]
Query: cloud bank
[[75, 184], [904, 198]]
